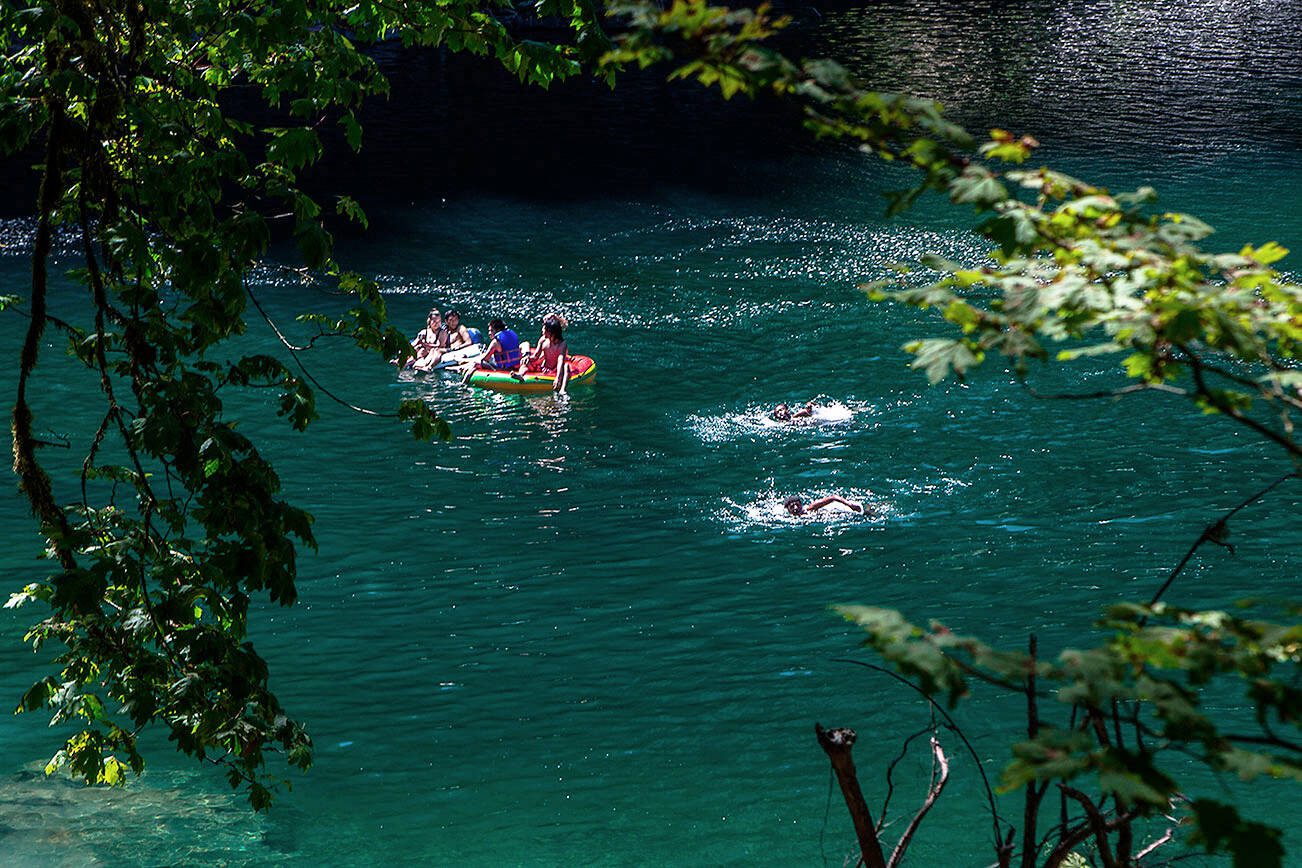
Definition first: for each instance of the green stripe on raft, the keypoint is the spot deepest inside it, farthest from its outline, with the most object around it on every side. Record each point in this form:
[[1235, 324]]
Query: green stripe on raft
[[582, 370]]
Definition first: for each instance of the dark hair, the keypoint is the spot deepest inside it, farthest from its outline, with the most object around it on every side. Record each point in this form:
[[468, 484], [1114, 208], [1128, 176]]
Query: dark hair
[[793, 499], [496, 325], [451, 313], [435, 312], [552, 326]]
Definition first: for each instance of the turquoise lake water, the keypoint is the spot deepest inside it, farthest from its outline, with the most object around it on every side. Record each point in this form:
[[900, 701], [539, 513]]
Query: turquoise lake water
[[584, 632]]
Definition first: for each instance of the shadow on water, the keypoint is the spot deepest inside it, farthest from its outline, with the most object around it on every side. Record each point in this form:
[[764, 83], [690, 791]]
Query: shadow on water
[[1189, 81]]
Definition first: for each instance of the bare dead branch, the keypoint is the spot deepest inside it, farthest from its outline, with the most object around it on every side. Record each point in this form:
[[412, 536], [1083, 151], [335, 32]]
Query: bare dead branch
[[890, 769], [837, 744], [1166, 836], [939, 775], [1001, 845]]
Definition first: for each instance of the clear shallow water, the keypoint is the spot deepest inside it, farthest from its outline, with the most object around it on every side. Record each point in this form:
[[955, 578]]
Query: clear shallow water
[[583, 631]]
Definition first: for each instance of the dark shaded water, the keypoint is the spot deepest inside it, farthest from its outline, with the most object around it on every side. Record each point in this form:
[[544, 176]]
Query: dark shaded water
[[584, 631]]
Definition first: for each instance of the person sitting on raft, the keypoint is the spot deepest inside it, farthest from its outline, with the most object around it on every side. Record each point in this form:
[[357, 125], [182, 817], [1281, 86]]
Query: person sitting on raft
[[503, 350], [783, 413], [503, 353], [429, 343], [797, 507], [526, 348], [551, 356], [458, 337]]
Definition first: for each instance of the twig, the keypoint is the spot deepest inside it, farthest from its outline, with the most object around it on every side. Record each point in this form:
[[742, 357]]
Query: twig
[[1098, 824], [1196, 366], [890, 784], [1166, 836], [294, 351], [953, 727], [1034, 793], [941, 764], [1214, 532], [1104, 393]]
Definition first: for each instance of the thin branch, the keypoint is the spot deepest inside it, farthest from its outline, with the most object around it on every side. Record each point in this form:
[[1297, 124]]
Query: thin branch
[[1105, 393], [954, 728], [1034, 793], [1098, 824], [52, 444], [941, 765], [33, 480], [1166, 836], [1214, 532], [295, 350], [1069, 827], [890, 784], [1197, 366], [1270, 739]]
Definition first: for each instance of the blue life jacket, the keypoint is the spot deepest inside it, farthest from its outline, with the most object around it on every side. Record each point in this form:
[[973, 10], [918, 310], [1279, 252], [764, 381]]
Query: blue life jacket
[[507, 358]]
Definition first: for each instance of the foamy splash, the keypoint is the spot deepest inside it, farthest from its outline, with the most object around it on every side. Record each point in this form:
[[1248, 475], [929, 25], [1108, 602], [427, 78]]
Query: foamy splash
[[757, 420]]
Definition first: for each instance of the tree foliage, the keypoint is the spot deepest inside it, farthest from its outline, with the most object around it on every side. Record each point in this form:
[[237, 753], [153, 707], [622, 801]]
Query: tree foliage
[[170, 184], [175, 521]]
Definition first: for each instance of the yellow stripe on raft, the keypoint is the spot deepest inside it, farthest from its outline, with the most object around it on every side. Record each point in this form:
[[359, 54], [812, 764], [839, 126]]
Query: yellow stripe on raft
[[501, 381]]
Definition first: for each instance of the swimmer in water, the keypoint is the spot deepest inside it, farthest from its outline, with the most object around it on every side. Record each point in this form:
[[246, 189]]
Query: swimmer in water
[[796, 507], [783, 413]]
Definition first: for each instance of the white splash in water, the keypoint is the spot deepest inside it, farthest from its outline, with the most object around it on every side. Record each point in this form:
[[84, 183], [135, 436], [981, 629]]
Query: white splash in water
[[766, 510], [757, 421]]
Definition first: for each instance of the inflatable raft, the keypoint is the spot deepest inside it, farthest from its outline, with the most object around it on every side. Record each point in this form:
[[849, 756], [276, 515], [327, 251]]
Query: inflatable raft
[[452, 358], [582, 370]]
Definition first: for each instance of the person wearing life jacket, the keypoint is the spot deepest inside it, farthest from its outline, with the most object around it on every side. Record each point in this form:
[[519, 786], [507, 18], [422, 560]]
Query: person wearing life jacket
[[503, 350]]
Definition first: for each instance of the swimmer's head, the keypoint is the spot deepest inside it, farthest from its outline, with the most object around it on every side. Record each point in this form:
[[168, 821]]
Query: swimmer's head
[[782, 413], [794, 505]]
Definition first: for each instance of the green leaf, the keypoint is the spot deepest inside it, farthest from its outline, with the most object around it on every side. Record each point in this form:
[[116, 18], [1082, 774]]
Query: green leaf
[[352, 130], [348, 207], [1220, 829], [977, 186], [941, 357], [1266, 254]]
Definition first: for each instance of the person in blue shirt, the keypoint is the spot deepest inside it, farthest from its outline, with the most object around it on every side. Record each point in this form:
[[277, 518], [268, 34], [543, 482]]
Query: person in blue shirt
[[503, 353], [504, 348]]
